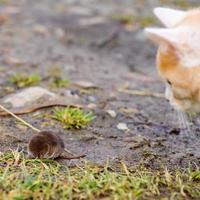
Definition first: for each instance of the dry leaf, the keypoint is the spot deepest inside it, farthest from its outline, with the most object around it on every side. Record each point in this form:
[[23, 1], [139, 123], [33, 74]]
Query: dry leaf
[[34, 108], [85, 84], [142, 93], [129, 110], [13, 61], [40, 29]]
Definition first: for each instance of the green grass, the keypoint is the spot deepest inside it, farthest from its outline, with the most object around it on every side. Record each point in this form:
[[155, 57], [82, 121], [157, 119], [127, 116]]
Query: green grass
[[22, 179], [182, 3], [4, 2], [58, 82], [142, 21], [124, 18], [73, 118], [24, 80], [146, 21]]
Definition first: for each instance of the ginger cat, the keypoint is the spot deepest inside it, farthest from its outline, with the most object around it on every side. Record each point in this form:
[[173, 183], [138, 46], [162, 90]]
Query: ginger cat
[[178, 56]]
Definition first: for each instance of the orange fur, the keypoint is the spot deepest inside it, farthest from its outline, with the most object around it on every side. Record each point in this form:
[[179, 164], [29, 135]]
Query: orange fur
[[183, 87]]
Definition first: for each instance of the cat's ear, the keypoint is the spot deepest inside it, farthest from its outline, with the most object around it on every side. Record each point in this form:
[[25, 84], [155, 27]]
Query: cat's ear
[[163, 36], [169, 17]]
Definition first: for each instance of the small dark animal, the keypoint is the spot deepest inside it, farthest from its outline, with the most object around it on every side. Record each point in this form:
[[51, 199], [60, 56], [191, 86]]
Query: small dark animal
[[46, 144]]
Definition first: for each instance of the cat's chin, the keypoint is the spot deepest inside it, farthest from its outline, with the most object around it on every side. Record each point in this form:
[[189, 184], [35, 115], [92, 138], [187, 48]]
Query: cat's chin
[[181, 106], [193, 108]]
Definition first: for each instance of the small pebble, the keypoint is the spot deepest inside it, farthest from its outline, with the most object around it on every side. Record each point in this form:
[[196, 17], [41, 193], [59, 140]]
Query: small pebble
[[91, 99], [112, 113], [122, 126]]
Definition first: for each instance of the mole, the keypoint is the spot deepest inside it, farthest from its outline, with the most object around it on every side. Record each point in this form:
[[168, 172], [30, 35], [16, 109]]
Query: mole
[[47, 144]]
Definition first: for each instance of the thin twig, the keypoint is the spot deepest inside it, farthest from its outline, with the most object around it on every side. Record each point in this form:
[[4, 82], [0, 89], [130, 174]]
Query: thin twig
[[20, 119], [142, 93]]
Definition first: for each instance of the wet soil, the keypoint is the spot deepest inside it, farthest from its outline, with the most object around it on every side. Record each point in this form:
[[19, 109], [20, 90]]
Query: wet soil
[[84, 40]]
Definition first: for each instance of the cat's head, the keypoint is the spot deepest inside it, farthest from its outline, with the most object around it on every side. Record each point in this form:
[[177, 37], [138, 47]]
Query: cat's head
[[178, 57]]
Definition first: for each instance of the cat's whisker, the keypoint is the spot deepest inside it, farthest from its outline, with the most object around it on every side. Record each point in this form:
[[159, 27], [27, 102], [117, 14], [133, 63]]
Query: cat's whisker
[[182, 124], [180, 73], [168, 117], [184, 121], [179, 119], [176, 119], [185, 124], [187, 121], [190, 119]]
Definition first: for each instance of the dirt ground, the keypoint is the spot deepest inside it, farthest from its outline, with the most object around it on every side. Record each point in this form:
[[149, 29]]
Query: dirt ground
[[88, 40]]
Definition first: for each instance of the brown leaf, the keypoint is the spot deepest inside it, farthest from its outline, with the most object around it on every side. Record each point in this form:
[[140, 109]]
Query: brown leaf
[[142, 93], [85, 84], [34, 108], [40, 29], [129, 110]]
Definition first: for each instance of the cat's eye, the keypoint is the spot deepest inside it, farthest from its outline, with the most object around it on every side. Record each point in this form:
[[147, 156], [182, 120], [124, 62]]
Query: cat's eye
[[169, 82]]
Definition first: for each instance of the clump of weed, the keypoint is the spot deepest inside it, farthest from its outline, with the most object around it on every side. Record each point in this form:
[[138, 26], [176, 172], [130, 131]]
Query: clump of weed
[[124, 18], [58, 82], [146, 21], [24, 80], [73, 118], [142, 21], [182, 3], [3, 2], [55, 73]]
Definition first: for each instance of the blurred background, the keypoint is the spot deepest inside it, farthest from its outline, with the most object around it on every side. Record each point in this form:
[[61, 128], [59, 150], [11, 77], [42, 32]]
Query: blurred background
[[38, 35], [90, 52], [52, 44]]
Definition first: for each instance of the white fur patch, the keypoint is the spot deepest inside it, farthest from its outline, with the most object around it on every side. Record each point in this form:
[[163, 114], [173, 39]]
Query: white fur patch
[[169, 17], [189, 48]]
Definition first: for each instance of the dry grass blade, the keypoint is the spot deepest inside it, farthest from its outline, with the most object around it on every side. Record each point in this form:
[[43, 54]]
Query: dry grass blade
[[142, 93], [18, 118]]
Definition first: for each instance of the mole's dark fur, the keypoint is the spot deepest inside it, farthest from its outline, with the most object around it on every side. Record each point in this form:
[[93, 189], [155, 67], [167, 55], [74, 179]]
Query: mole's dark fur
[[46, 144]]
